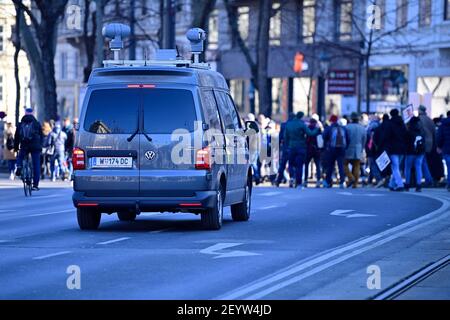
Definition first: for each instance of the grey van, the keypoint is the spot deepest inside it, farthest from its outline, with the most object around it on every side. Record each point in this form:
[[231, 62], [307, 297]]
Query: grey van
[[124, 148]]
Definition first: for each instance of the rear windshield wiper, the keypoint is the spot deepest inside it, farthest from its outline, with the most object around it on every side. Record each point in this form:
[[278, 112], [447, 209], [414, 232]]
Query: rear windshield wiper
[[133, 135], [148, 138]]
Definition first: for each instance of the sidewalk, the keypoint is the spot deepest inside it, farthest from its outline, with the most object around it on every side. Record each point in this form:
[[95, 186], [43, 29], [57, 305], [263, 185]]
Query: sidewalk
[[398, 259], [17, 183]]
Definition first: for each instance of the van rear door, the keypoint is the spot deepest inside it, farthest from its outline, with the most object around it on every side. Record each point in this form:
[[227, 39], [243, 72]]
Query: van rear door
[[165, 168], [110, 139]]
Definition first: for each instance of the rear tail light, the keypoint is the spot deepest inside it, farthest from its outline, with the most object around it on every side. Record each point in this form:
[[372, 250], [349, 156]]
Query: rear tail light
[[78, 159], [203, 159]]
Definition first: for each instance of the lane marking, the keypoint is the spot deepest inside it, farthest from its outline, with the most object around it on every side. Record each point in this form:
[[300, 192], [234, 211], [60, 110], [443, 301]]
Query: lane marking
[[49, 213], [218, 248], [344, 213], [51, 255], [114, 240], [161, 230], [291, 270], [267, 207], [269, 193]]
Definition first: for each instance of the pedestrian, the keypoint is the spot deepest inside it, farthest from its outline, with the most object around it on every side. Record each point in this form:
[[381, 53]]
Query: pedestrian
[[415, 152], [295, 138], [443, 143], [336, 141], [430, 132], [8, 153], [48, 150], [28, 140], [58, 140], [69, 131], [395, 145], [284, 157], [314, 144], [371, 150], [254, 149], [353, 154]]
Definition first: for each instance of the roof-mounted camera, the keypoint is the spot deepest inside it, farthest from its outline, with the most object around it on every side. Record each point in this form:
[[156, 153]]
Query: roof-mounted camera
[[116, 32], [196, 37]]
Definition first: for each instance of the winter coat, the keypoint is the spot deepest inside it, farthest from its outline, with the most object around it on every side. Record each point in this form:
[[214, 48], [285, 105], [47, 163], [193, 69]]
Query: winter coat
[[58, 139], [443, 136], [356, 141], [296, 132], [430, 130], [394, 139], [36, 143], [414, 129], [8, 154], [327, 135], [312, 149]]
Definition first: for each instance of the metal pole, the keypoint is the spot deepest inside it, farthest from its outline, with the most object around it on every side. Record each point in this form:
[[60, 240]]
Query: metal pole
[[132, 52]]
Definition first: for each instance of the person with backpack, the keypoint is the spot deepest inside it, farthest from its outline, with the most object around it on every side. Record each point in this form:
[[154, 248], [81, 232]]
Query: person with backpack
[[284, 151], [336, 141], [58, 141], [295, 137], [443, 144], [371, 150], [8, 152], [395, 138], [415, 152], [314, 144], [353, 154], [28, 140]]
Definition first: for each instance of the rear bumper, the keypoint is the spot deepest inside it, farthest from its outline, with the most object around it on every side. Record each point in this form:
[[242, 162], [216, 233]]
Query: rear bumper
[[200, 201]]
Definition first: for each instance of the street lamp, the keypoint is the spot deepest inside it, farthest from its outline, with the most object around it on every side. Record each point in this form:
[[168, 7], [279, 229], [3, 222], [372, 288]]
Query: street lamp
[[324, 64]]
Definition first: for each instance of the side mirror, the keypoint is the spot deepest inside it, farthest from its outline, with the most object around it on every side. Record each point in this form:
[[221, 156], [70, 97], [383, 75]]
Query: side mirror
[[251, 125]]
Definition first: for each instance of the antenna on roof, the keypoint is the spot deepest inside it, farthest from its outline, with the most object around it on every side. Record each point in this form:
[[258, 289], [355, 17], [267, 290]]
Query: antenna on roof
[[116, 32], [196, 37]]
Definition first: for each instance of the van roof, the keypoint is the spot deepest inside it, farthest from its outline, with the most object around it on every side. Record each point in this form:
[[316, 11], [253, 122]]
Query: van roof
[[159, 74]]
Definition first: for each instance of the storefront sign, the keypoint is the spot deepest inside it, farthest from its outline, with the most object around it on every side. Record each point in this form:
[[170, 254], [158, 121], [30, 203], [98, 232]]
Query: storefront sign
[[342, 82]]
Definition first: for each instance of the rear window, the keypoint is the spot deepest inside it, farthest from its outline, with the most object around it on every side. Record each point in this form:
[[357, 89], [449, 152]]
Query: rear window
[[166, 110], [113, 111]]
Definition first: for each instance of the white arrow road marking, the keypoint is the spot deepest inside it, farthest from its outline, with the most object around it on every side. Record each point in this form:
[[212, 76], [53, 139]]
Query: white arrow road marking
[[214, 250], [344, 213]]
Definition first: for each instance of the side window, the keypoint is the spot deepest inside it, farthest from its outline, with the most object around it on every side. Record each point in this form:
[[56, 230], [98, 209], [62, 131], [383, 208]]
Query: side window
[[210, 109], [234, 115], [224, 109]]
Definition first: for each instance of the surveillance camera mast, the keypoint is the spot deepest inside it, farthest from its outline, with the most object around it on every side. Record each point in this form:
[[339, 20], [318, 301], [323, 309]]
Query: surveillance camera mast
[[117, 32]]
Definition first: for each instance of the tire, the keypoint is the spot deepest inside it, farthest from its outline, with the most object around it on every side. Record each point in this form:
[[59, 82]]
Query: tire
[[241, 211], [88, 219], [212, 219], [126, 215]]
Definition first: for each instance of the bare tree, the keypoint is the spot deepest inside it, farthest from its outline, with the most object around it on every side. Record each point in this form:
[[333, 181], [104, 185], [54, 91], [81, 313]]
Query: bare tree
[[40, 43], [259, 66], [18, 46]]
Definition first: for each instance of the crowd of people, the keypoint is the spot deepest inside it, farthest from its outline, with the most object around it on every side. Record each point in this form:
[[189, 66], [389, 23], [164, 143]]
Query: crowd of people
[[49, 144], [349, 151]]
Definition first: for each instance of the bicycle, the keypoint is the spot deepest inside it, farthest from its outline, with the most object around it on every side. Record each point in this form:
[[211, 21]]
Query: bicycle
[[27, 175]]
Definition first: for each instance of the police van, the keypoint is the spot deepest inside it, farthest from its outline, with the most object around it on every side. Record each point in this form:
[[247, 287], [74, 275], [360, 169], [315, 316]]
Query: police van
[[160, 135]]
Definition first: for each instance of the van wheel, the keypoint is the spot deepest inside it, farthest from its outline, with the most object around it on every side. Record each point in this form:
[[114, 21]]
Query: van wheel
[[126, 215], [241, 211], [88, 219], [212, 219]]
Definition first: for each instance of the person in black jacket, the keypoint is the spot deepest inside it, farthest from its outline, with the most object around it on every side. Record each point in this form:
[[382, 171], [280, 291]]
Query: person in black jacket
[[394, 141], [443, 143], [28, 139], [415, 152]]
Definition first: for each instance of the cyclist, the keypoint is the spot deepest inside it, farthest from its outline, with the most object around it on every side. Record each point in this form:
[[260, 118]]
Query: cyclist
[[28, 140]]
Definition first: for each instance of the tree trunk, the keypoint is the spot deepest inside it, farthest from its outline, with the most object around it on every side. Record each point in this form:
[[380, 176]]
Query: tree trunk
[[18, 45], [263, 82], [99, 36]]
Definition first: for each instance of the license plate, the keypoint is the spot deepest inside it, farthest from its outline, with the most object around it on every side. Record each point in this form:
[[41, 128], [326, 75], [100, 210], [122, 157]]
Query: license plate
[[111, 162]]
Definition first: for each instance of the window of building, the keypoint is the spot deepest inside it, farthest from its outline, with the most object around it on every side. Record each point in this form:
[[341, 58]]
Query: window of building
[[345, 20], [243, 21], [424, 13], [275, 25], [1, 38], [63, 65], [213, 30], [1, 89], [447, 10], [402, 13], [309, 21]]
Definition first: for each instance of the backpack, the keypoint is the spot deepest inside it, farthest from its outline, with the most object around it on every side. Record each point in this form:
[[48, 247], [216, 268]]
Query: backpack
[[27, 132], [338, 137], [9, 142], [419, 144]]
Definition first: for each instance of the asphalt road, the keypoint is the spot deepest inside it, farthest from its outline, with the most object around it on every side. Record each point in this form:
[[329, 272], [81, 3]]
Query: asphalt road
[[293, 238]]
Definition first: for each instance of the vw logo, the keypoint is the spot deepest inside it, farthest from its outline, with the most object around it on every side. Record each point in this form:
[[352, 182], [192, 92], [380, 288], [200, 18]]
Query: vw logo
[[150, 155]]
